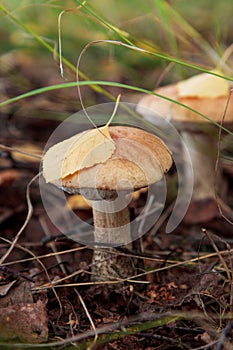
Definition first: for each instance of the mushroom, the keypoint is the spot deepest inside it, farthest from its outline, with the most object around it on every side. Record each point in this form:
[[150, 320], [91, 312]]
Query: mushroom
[[208, 95], [106, 165]]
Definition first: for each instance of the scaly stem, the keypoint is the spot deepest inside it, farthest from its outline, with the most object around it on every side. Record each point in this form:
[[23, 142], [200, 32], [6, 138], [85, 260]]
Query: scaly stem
[[112, 227]]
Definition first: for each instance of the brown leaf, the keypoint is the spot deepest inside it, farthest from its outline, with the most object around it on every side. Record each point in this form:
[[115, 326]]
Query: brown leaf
[[19, 293], [6, 287]]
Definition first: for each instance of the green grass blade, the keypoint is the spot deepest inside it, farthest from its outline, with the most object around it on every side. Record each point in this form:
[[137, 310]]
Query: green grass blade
[[50, 48], [105, 83], [135, 48], [108, 25], [192, 33], [160, 5], [110, 337]]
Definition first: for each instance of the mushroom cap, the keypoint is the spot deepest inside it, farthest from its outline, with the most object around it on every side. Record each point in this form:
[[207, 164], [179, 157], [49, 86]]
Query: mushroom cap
[[137, 160], [205, 93]]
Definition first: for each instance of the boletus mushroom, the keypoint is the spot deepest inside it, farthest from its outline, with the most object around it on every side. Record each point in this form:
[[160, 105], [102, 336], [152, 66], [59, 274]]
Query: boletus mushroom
[[207, 94], [105, 165]]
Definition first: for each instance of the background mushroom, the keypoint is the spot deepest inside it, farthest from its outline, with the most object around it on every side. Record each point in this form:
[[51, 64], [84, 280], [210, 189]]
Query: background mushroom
[[105, 165], [208, 95]]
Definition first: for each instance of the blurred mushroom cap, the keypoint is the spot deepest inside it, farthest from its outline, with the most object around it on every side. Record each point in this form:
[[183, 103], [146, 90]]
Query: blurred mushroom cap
[[205, 93]]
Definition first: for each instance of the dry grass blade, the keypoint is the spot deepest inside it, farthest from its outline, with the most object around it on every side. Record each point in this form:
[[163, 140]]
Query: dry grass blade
[[221, 205], [29, 215], [172, 264], [41, 264], [223, 336], [53, 246], [45, 256], [228, 272], [89, 318], [117, 330], [76, 9], [14, 149]]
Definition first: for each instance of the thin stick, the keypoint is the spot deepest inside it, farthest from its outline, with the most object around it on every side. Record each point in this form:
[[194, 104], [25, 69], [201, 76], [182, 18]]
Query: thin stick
[[90, 319], [59, 35], [218, 157], [43, 268], [219, 254], [142, 321], [13, 149], [29, 215], [134, 278], [223, 336], [52, 244], [229, 274], [59, 43], [43, 256], [79, 61]]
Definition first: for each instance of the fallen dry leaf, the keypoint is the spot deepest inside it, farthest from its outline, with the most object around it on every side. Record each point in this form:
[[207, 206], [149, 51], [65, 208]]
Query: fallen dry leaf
[[78, 152], [19, 293], [6, 287]]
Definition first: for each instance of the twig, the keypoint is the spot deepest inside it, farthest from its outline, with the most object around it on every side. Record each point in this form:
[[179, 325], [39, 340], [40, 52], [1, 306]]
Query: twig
[[228, 272], [134, 324], [16, 273], [89, 317], [14, 149], [52, 244], [159, 337], [207, 346], [224, 335], [59, 36], [133, 278], [218, 200], [29, 215], [41, 264]]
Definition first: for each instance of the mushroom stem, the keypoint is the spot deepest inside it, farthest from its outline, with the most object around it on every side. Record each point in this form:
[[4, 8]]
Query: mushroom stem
[[202, 150], [112, 227]]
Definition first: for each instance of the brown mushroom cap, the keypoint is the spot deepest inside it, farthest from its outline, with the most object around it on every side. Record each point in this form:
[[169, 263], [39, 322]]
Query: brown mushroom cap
[[139, 159], [205, 93]]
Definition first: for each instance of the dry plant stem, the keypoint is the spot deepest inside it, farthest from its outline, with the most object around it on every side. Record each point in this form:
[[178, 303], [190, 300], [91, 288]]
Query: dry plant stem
[[228, 272], [203, 154], [89, 317], [29, 215], [112, 225], [37, 259], [52, 245], [56, 284]]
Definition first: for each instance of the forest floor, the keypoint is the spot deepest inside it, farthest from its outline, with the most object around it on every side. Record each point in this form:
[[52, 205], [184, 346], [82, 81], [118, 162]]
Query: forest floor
[[182, 301]]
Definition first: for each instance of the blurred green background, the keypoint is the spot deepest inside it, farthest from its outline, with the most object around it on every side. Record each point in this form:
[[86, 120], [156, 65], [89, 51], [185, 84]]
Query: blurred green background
[[196, 32]]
